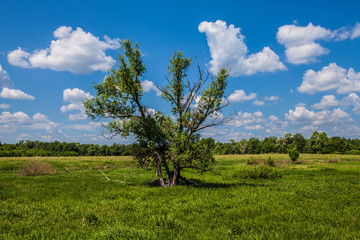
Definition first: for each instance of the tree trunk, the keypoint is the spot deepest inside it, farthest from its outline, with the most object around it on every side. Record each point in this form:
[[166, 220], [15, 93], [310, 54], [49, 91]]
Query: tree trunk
[[159, 173], [176, 176]]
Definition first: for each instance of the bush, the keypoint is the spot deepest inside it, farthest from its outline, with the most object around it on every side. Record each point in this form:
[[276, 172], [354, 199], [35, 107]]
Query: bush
[[293, 154], [271, 162], [261, 172], [36, 168]]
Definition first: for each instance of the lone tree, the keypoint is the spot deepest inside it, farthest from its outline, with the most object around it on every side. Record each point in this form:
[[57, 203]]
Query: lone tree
[[170, 143]]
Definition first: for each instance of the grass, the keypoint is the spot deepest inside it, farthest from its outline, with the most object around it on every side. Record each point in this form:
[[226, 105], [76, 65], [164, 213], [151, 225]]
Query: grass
[[317, 199]]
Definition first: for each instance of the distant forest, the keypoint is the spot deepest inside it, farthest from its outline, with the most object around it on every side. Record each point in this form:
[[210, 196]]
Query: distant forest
[[319, 142]]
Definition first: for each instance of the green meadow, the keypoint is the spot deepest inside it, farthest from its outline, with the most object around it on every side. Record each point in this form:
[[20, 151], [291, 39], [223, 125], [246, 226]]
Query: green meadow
[[242, 198]]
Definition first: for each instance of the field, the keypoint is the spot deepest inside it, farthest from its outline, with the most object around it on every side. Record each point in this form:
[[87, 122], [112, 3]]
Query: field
[[319, 198]]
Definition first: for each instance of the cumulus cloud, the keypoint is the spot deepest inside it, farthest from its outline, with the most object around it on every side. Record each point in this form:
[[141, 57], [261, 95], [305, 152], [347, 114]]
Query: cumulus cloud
[[331, 77], [228, 49], [300, 42], [248, 119], [327, 101], [148, 86], [302, 45], [15, 118], [5, 80], [75, 51], [75, 97], [326, 118], [240, 96], [41, 121], [352, 100], [12, 121], [15, 94], [274, 126]]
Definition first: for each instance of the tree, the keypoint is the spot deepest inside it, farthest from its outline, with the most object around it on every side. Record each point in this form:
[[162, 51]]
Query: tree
[[317, 141], [169, 143], [253, 146]]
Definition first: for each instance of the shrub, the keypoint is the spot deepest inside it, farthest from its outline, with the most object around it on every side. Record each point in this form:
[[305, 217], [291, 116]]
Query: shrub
[[271, 162], [261, 172], [293, 154], [36, 168]]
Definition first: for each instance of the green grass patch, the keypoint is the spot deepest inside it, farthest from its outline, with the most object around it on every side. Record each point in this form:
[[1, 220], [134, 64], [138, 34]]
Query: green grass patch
[[319, 198]]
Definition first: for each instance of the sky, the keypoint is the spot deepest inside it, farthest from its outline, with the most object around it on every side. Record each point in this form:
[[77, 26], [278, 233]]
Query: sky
[[294, 64]]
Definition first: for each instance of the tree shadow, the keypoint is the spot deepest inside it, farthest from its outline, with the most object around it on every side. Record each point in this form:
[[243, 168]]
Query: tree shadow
[[211, 185]]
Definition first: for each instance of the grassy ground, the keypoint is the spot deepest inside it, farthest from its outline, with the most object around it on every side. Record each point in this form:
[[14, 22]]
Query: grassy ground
[[319, 198]]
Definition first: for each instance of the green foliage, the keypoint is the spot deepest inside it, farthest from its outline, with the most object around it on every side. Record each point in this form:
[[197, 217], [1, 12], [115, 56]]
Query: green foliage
[[293, 154], [170, 143], [257, 172], [270, 162], [30, 148], [353, 152]]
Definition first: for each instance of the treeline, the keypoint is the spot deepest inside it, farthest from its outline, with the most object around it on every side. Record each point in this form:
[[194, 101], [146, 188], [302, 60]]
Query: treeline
[[319, 142], [30, 148]]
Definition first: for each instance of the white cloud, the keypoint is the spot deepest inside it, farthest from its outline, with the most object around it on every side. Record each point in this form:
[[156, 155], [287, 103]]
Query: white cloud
[[19, 58], [326, 118], [72, 107], [300, 42], [77, 116], [148, 86], [347, 32], [272, 98], [11, 122], [15, 118], [259, 103], [5, 80], [75, 97], [228, 49], [331, 77], [253, 127], [41, 121], [75, 51], [4, 106], [352, 100], [15, 94], [240, 96], [356, 31], [247, 119], [274, 126], [327, 101]]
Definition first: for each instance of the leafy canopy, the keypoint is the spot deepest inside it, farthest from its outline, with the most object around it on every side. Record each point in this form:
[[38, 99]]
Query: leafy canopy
[[170, 143]]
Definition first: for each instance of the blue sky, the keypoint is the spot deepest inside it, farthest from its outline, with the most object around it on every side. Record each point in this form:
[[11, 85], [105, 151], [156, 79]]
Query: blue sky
[[294, 64]]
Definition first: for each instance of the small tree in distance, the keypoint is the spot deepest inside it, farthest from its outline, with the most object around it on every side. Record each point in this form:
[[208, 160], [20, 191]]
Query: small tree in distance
[[293, 154], [170, 143]]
